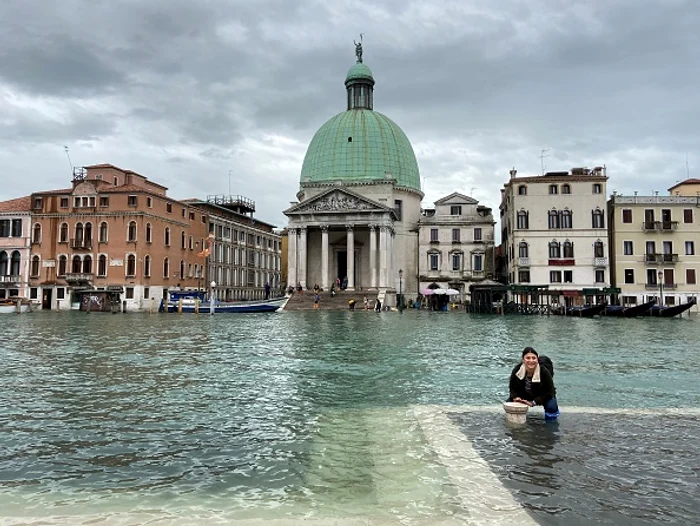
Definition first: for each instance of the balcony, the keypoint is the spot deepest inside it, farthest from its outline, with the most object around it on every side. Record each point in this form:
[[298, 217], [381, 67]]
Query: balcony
[[664, 286], [651, 286], [652, 259], [668, 226], [78, 277], [434, 242], [669, 258], [12, 278], [650, 226], [655, 259], [523, 262], [600, 262], [81, 244]]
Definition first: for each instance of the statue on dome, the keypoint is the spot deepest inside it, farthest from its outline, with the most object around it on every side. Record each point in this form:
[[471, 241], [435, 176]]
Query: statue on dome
[[358, 50]]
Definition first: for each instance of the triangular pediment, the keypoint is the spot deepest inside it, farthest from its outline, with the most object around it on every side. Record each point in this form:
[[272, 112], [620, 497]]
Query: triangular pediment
[[337, 201], [456, 198]]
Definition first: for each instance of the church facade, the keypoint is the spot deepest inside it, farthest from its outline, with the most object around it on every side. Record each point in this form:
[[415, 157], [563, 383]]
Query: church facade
[[358, 208]]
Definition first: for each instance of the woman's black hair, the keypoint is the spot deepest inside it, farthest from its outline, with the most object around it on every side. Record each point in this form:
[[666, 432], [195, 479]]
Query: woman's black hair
[[528, 350]]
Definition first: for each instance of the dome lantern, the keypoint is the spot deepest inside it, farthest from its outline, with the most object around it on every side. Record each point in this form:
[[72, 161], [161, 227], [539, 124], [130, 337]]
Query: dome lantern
[[359, 83]]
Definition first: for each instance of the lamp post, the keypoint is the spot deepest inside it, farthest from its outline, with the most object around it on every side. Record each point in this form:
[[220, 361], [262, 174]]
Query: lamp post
[[400, 290], [212, 301], [660, 275]]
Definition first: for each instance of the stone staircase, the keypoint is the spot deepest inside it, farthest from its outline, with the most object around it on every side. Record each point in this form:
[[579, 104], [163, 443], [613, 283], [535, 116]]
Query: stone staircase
[[305, 301]]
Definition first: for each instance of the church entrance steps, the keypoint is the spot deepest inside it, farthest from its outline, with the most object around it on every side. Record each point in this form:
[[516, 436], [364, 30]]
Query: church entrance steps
[[305, 300]]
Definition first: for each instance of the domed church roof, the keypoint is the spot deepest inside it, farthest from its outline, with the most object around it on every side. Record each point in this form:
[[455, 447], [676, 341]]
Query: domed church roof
[[360, 144]]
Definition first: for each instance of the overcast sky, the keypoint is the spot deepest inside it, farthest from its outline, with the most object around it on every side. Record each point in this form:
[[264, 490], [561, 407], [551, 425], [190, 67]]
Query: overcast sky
[[187, 92]]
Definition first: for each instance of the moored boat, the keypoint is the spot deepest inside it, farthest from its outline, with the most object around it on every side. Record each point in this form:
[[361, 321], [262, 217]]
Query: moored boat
[[191, 302], [669, 311], [585, 311], [14, 305], [628, 312]]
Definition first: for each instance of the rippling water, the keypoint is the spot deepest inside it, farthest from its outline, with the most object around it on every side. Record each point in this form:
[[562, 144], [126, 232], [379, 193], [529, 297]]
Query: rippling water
[[136, 418]]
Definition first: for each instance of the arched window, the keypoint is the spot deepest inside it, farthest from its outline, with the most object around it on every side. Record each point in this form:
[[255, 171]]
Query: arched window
[[63, 233], [598, 249], [523, 220], [182, 270], [554, 250], [4, 259], [147, 266], [149, 233], [15, 263], [553, 189], [598, 218], [522, 190], [131, 233], [76, 265], [523, 250], [167, 236], [79, 233], [36, 233], [183, 240], [88, 233], [131, 265], [34, 269], [62, 264], [103, 232], [566, 189], [102, 265], [191, 243], [166, 268], [87, 264], [568, 249], [553, 219], [566, 219]]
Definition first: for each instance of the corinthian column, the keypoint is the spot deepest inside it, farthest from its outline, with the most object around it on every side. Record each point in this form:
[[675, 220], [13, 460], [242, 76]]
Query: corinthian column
[[324, 257], [382, 256], [291, 258], [351, 258], [302, 256], [373, 256]]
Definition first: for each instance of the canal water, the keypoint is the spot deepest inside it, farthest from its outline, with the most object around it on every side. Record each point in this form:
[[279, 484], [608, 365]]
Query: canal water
[[343, 418]]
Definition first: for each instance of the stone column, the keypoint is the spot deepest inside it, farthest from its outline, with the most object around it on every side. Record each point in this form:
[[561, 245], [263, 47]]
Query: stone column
[[292, 278], [302, 256], [324, 257], [382, 256], [391, 266], [373, 256], [351, 258]]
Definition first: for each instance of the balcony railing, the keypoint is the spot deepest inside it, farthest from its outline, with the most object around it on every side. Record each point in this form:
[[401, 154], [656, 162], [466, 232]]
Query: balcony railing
[[659, 226], [668, 225], [651, 259], [523, 262], [434, 241], [651, 286], [669, 258], [655, 286], [85, 244], [12, 278], [79, 276], [600, 262], [650, 226]]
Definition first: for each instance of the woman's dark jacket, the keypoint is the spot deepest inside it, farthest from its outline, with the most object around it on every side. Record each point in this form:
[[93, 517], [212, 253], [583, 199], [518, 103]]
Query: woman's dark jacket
[[542, 391]]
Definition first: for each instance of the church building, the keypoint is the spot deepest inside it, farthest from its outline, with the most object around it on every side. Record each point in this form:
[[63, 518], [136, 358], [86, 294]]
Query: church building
[[359, 198]]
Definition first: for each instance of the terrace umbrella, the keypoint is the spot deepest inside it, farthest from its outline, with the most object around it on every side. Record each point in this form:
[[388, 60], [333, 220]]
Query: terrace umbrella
[[427, 292], [440, 292], [452, 292]]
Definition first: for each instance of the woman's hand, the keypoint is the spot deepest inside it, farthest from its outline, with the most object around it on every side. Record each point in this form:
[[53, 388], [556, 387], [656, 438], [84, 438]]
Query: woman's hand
[[522, 401]]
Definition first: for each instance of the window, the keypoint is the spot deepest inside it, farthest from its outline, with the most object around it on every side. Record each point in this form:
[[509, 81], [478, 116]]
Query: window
[[131, 232], [149, 202], [167, 236], [598, 249], [433, 235], [183, 240], [523, 250], [688, 215], [523, 220], [568, 249], [169, 208], [146, 292], [568, 276], [553, 189], [555, 276], [76, 265], [597, 188], [5, 228], [629, 275], [477, 234], [132, 200], [131, 265], [184, 212], [626, 215], [651, 277], [191, 243], [456, 210], [398, 210], [166, 268], [87, 264], [64, 202], [455, 235], [182, 270], [36, 233], [522, 190], [34, 269], [690, 248], [434, 261], [116, 181], [566, 219], [456, 262], [104, 201], [565, 189], [690, 276], [524, 276], [553, 219], [598, 218], [63, 233], [15, 261], [129, 293], [478, 263], [600, 276], [554, 250], [38, 203], [102, 265], [62, 264], [669, 277], [149, 233], [191, 216], [627, 248], [60, 293], [147, 266], [88, 233], [103, 232]]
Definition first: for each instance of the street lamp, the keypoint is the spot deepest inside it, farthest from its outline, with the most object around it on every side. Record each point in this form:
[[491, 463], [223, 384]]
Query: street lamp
[[400, 290], [660, 275]]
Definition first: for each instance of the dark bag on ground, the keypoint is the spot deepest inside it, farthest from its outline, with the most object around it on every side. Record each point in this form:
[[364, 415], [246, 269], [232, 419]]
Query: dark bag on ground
[[546, 362]]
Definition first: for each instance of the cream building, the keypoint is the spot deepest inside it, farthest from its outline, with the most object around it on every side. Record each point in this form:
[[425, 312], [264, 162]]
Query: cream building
[[15, 232], [455, 244], [654, 242], [358, 208], [554, 233]]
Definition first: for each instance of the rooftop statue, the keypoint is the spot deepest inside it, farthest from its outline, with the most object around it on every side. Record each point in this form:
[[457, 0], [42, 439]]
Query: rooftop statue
[[358, 50]]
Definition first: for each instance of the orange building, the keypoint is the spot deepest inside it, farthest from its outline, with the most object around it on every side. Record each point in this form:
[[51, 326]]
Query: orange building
[[113, 240]]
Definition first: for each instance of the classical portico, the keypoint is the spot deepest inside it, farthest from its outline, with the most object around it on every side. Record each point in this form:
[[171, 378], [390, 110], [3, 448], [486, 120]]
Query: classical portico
[[341, 234]]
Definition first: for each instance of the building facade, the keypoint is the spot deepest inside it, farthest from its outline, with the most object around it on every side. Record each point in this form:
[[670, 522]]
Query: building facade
[[455, 244], [554, 234], [15, 229], [244, 253], [358, 209], [654, 241], [114, 236]]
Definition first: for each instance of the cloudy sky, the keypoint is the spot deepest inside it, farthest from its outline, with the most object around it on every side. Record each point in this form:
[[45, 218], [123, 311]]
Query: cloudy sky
[[187, 93]]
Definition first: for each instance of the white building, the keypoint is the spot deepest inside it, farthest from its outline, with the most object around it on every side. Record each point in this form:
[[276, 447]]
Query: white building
[[554, 233], [455, 244]]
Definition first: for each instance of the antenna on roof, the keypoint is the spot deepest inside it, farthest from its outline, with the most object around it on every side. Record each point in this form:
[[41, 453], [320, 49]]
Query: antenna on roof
[[68, 155], [542, 156]]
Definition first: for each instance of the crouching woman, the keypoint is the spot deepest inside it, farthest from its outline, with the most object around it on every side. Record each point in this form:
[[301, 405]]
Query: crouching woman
[[532, 384]]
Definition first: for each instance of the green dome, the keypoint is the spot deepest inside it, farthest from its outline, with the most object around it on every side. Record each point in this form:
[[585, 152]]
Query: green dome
[[360, 145], [359, 71]]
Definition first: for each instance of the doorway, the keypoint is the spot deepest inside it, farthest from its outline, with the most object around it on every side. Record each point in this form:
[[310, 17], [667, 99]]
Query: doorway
[[46, 296], [342, 266]]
